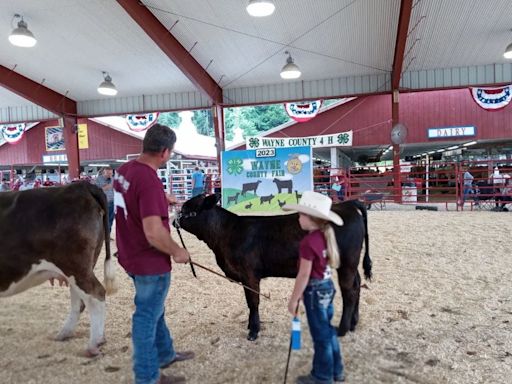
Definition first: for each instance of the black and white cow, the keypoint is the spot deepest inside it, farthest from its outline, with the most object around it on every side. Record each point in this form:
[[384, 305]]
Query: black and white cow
[[58, 233], [250, 248]]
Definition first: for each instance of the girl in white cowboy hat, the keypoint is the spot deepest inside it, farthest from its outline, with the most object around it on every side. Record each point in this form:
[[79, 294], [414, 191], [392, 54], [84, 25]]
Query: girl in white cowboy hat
[[318, 253]]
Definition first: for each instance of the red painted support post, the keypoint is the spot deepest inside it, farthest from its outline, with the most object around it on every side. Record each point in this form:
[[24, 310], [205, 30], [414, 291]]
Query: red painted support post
[[71, 143], [397, 183]]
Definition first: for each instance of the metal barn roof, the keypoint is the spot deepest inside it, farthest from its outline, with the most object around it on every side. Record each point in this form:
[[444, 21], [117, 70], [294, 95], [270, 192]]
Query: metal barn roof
[[178, 55]]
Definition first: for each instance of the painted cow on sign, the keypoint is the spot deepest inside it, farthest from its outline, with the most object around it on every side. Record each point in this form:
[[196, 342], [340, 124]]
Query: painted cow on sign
[[250, 248], [58, 233]]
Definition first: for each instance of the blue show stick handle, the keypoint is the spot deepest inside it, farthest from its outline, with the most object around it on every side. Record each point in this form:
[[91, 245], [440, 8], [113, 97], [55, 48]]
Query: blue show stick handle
[[295, 333]]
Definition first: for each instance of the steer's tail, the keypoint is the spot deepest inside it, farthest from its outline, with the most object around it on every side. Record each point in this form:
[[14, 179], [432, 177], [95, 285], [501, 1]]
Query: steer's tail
[[109, 272], [367, 262]]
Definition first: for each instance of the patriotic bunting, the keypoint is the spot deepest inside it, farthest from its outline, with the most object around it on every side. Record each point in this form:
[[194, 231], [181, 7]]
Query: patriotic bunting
[[141, 122], [303, 111], [12, 133], [492, 98]]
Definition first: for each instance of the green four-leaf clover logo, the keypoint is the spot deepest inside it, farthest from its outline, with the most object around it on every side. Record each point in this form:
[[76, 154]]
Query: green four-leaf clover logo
[[343, 138], [235, 166], [254, 142]]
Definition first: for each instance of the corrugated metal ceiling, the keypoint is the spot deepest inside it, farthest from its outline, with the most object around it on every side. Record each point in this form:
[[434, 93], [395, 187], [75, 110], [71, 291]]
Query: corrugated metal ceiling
[[343, 47]]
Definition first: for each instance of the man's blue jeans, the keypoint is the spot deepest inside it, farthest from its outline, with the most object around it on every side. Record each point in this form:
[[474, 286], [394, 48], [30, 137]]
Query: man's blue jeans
[[327, 360], [152, 341]]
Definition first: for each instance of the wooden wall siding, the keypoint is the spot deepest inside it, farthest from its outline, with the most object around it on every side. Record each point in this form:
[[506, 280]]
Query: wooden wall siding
[[420, 111], [107, 143], [104, 144], [370, 118]]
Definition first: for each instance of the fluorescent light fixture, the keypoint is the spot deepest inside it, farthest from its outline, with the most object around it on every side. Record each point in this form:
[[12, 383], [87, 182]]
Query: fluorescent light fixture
[[440, 150], [508, 52], [107, 87], [121, 161], [431, 152], [453, 147], [99, 165], [290, 69], [469, 144], [21, 36], [260, 8]]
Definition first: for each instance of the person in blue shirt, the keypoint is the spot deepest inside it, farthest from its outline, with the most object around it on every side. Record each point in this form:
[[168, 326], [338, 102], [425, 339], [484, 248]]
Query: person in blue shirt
[[197, 182]]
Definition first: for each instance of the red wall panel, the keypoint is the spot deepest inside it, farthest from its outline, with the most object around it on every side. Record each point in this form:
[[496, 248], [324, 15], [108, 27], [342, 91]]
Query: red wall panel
[[104, 144], [370, 118]]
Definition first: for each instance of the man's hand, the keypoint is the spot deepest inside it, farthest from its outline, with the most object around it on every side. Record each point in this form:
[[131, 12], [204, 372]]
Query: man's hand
[[171, 199], [181, 256]]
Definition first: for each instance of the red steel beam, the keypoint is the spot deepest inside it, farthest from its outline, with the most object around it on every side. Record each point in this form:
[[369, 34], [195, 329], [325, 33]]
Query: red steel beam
[[173, 49], [37, 93], [401, 39]]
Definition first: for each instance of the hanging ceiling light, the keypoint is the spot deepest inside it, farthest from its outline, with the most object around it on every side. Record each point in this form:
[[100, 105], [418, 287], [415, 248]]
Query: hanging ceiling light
[[21, 36], [107, 87], [260, 8], [290, 70], [508, 52]]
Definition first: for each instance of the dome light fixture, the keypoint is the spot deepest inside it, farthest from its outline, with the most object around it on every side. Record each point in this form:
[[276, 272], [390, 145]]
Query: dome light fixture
[[508, 52], [21, 36], [107, 87], [290, 69], [260, 8]]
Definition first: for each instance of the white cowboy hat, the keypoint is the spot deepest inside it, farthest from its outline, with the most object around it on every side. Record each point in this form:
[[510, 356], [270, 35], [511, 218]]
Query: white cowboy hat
[[317, 205]]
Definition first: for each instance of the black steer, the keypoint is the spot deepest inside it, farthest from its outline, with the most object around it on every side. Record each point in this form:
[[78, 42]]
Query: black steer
[[250, 248]]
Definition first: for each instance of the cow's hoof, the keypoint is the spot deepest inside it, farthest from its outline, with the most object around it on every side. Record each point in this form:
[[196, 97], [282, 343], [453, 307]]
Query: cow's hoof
[[90, 353], [252, 336]]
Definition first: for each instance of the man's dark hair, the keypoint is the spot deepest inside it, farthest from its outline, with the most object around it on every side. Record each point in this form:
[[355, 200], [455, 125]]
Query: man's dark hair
[[158, 138]]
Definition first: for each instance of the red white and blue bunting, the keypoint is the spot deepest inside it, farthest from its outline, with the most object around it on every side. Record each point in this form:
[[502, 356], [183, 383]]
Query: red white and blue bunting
[[492, 98], [303, 111], [141, 122], [12, 133]]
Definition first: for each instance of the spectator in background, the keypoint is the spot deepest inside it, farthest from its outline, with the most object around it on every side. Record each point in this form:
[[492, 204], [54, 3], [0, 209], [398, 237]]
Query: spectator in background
[[28, 182], [4, 187], [208, 182], [468, 185], [339, 186], [105, 182], [197, 182]]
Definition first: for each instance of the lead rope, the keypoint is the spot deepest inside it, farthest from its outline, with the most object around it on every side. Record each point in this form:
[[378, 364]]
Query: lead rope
[[184, 246], [266, 296]]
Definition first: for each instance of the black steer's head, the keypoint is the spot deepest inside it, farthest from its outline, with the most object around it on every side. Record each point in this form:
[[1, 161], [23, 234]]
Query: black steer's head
[[193, 210]]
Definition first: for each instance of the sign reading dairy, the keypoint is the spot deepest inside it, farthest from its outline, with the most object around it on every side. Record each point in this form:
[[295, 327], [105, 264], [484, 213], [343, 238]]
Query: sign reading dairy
[[439, 133], [265, 179]]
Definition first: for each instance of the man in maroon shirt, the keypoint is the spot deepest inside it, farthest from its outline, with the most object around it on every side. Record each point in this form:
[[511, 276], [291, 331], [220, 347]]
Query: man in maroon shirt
[[145, 248]]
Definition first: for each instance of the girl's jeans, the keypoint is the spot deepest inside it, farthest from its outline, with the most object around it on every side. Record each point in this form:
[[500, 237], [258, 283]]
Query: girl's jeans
[[152, 341], [327, 360]]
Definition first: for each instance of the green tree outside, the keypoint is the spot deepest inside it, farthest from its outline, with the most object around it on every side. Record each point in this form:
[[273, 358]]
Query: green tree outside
[[171, 119]]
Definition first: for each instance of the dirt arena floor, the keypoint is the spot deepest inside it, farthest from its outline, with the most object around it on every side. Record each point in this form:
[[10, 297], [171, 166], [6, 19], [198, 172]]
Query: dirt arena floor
[[439, 310]]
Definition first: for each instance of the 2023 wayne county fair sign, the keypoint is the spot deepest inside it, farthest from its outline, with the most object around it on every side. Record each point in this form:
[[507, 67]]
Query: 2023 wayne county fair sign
[[334, 140], [263, 180]]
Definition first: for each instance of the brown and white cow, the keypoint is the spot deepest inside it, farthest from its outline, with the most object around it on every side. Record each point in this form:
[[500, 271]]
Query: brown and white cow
[[58, 233]]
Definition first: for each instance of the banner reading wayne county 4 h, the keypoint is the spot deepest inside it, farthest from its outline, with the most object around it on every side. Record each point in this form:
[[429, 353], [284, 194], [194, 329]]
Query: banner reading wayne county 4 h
[[264, 179]]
